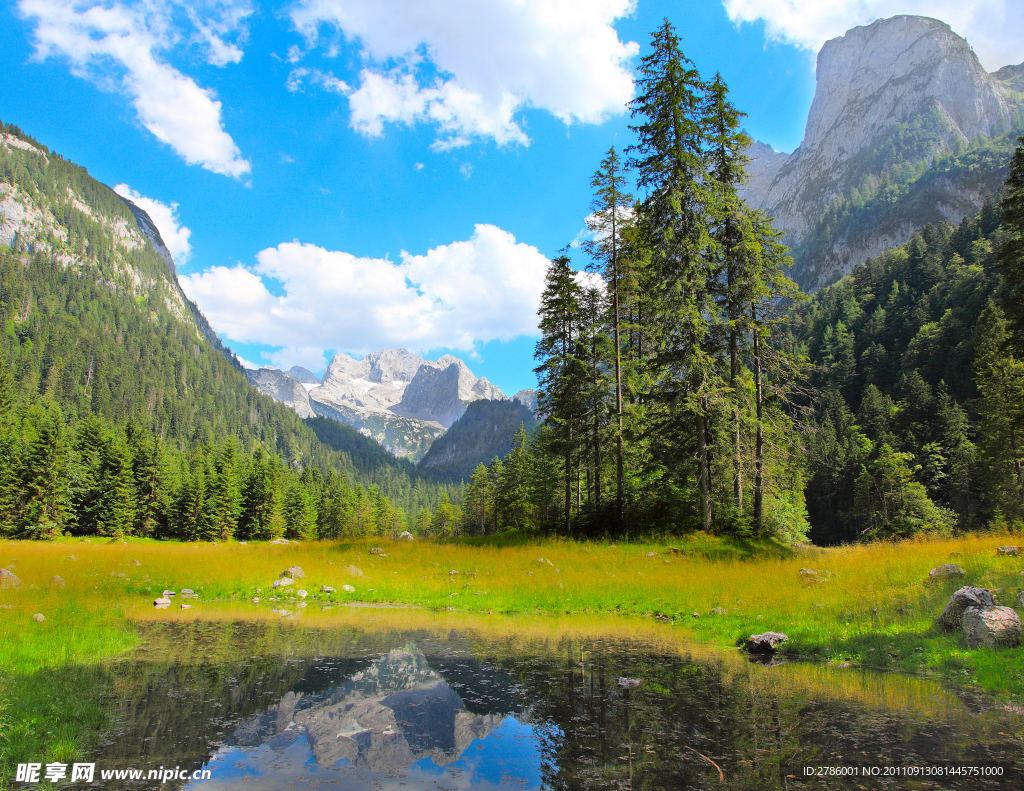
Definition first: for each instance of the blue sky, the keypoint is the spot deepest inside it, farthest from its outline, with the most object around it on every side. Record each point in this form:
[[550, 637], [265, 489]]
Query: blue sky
[[349, 175]]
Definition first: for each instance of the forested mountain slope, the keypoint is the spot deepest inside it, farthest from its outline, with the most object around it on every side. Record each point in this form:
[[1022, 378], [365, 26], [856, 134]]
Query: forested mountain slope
[[899, 347], [112, 387]]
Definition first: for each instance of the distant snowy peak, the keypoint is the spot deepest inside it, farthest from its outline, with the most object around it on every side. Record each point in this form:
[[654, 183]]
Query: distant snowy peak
[[394, 395]]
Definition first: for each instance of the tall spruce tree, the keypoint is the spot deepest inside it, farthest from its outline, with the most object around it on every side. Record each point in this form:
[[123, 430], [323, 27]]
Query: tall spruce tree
[[670, 161], [611, 216], [561, 373], [1011, 253]]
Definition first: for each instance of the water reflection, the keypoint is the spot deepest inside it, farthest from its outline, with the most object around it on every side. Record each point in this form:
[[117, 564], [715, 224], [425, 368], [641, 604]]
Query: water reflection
[[281, 706]]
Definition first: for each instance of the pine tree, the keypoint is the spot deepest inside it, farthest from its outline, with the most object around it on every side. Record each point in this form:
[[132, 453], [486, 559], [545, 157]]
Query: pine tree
[[224, 498], [561, 373], [612, 214], [44, 475], [117, 489], [260, 517], [300, 513], [670, 161], [1011, 252]]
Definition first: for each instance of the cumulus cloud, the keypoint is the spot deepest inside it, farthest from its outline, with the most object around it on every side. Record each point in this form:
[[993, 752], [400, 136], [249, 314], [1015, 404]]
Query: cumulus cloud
[[123, 46], [995, 28], [456, 295], [468, 66], [165, 218]]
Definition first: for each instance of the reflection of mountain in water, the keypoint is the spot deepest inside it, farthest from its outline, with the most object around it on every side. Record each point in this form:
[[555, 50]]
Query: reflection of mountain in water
[[384, 718]]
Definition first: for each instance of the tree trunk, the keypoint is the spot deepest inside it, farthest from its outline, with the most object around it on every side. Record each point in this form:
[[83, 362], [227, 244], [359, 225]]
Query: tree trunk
[[759, 441], [703, 476]]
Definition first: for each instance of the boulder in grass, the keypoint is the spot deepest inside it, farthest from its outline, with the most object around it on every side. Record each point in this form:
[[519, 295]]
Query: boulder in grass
[[405, 535], [348, 589], [946, 570], [328, 589], [282, 582], [952, 616], [162, 603], [990, 627], [279, 541], [764, 643], [8, 579], [353, 571], [293, 572], [58, 582], [376, 551], [186, 606], [301, 594], [719, 611], [1008, 551], [39, 617]]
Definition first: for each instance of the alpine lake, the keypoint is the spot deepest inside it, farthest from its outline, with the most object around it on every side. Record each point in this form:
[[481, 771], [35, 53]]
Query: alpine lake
[[395, 698]]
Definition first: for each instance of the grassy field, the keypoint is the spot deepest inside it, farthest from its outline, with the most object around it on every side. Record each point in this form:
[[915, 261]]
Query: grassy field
[[871, 605]]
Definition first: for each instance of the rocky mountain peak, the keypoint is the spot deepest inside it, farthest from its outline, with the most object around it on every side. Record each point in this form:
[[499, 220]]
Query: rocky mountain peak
[[879, 74], [390, 365], [891, 98]]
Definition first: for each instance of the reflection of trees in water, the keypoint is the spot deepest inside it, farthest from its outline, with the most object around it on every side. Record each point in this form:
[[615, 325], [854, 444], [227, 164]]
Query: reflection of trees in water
[[383, 700], [688, 720]]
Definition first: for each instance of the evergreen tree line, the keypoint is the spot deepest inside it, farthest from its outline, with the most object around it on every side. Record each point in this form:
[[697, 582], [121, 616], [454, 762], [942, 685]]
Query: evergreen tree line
[[97, 479]]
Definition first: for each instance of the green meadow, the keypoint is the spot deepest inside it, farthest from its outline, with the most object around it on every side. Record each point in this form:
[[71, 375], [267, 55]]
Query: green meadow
[[871, 605]]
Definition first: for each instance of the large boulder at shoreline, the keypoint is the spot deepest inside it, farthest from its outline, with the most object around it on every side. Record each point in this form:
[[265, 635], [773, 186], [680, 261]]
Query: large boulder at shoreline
[[952, 616], [946, 570], [764, 643], [989, 627]]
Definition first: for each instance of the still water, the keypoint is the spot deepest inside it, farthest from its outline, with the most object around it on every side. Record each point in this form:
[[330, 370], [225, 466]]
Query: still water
[[449, 705]]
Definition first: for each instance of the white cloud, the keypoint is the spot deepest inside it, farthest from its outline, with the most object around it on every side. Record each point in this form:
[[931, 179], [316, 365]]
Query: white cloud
[[124, 46], [457, 295], [468, 66], [326, 80], [995, 28], [165, 217]]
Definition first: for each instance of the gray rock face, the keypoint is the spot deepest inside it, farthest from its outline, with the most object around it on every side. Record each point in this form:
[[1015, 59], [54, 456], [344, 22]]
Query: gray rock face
[[990, 627], [952, 614], [764, 643], [8, 579], [283, 388], [432, 395], [300, 374], [946, 570], [869, 80], [528, 398]]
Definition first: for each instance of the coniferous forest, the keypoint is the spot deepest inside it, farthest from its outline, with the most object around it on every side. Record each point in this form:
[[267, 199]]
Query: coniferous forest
[[684, 381]]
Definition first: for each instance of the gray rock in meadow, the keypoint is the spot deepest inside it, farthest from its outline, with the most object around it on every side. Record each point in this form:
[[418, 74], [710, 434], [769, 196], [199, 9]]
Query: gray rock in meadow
[[376, 551], [279, 541], [9, 579], [348, 589], [652, 554], [187, 591], [301, 594], [255, 599], [301, 604], [764, 643], [162, 603], [186, 606], [282, 582], [405, 535], [989, 627], [453, 572], [328, 589], [946, 570], [39, 617], [353, 571], [136, 563], [952, 616], [1008, 551], [168, 594], [545, 560], [294, 572], [58, 582], [719, 611]]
